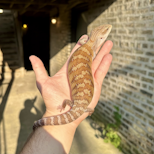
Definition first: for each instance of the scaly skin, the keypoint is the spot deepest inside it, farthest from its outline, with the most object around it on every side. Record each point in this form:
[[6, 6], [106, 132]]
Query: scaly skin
[[80, 79]]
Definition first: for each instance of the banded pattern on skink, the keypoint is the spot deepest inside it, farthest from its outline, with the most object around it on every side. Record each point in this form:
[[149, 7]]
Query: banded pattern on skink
[[80, 79]]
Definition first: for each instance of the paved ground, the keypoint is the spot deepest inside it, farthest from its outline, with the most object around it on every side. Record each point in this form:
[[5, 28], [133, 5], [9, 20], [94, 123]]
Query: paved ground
[[21, 104], [86, 142]]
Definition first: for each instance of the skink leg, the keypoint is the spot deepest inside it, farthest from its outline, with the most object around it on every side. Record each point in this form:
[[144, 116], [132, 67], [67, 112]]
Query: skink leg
[[67, 102], [90, 110], [83, 40]]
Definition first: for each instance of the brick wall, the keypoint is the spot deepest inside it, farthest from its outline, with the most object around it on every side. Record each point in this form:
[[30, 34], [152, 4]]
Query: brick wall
[[129, 83], [60, 40]]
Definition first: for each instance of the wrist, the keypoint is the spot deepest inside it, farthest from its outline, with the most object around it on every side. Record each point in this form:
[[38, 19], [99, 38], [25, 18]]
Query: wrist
[[62, 133]]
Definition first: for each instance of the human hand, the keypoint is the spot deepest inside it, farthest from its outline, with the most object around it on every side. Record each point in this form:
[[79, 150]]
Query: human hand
[[55, 90]]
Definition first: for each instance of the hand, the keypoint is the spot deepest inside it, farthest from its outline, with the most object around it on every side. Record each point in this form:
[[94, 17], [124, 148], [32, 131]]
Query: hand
[[55, 90]]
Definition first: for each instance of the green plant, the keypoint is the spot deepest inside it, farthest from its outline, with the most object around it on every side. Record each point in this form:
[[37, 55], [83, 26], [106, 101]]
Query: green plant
[[110, 130], [113, 138]]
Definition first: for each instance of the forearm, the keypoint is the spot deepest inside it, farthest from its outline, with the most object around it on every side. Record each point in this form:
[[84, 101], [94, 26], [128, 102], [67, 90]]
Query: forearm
[[50, 139]]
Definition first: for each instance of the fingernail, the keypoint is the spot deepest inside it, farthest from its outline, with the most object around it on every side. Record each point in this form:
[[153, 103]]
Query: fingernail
[[31, 57]]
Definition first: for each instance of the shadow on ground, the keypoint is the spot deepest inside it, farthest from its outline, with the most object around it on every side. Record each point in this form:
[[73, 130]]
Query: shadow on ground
[[27, 119], [4, 98]]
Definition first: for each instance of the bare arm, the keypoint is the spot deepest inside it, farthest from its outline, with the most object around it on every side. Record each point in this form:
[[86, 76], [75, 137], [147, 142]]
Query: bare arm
[[58, 139], [49, 140]]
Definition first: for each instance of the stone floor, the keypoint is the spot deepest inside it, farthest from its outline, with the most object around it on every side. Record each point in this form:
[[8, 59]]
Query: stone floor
[[21, 104], [86, 142]]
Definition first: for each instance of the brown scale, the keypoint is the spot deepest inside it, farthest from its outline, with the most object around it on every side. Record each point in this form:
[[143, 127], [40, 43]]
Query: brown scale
[[88, 87], [81, 60], [73, 85], [72, 74], [74, 114], [82, 97], [78, 61], [81, 80], [62, 119], [78, 72]]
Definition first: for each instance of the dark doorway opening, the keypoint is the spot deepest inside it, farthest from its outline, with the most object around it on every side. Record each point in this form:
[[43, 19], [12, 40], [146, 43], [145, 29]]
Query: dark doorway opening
[[36, 39], [78, 23]]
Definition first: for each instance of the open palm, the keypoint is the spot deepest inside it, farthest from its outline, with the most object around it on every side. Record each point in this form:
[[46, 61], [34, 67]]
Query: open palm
[[55, 90]]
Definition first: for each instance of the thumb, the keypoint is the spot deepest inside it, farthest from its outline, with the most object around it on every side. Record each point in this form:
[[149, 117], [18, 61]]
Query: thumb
[[39, 69]]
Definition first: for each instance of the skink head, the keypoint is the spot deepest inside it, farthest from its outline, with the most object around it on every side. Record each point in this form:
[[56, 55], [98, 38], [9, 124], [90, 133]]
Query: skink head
[[99, 35]]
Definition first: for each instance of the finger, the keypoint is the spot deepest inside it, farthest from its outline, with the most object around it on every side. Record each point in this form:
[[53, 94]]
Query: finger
[[104, 50], [39, 69], [103, 68], [78, 44]]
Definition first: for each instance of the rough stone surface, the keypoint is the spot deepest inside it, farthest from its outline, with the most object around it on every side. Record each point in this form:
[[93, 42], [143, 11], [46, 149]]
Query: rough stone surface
[[18, 111], [21, 110], [129, 82], [87, 141]]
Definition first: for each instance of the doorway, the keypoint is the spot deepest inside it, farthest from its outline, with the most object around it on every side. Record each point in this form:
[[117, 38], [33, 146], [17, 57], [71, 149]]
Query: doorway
[[36, 35], [78, 24]]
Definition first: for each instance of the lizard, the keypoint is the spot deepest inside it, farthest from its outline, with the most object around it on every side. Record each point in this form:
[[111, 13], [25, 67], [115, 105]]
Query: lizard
[[80, 79]]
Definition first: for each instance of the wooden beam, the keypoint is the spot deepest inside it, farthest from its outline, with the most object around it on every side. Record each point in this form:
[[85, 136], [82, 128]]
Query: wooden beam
[[43, 5], [54, 12], [34, 2], [11, 5], [28, 4], [23, 9], [22, 12], [75, 3]]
